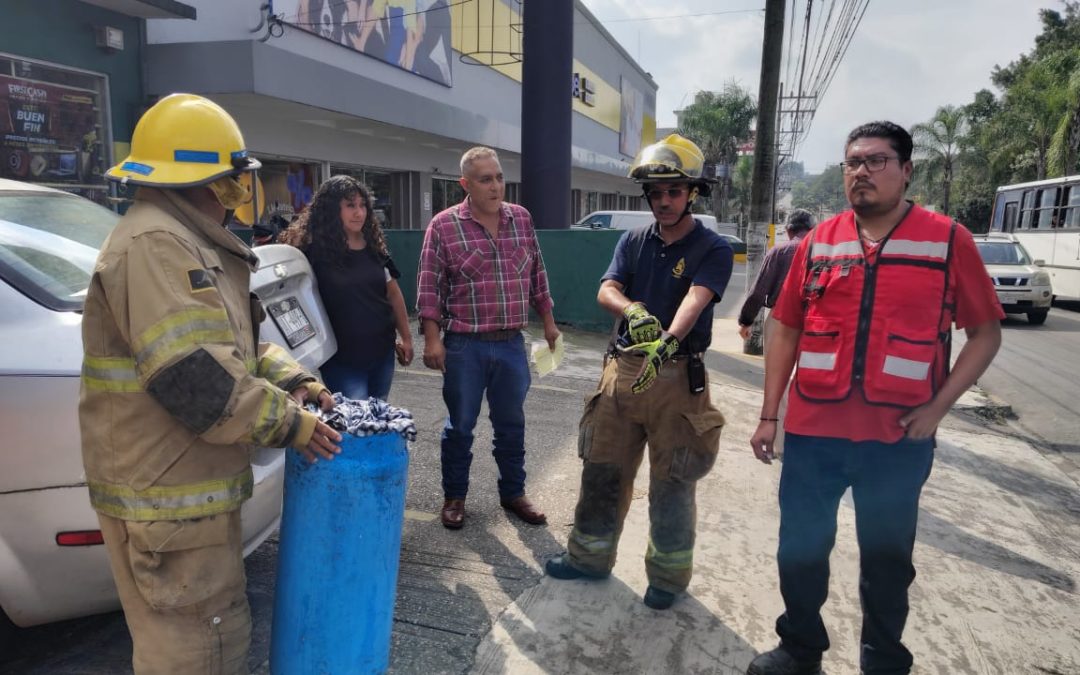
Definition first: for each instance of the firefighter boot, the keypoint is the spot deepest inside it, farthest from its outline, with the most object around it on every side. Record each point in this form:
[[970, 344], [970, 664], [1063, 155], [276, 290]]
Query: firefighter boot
[[560, 568], [657, 598]]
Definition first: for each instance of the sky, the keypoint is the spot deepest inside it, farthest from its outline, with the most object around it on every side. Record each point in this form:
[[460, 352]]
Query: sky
[[908, 57]]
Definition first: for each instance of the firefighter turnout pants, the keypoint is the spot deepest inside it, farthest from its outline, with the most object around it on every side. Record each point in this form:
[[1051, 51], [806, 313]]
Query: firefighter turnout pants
[[182, 587], [682, 431]]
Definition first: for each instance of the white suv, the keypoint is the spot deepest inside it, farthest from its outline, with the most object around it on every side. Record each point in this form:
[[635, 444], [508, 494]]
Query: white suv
[[1022, 286]]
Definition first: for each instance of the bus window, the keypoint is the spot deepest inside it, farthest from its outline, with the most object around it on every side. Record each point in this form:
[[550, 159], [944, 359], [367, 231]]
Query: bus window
[[1071, 217], [1047, 202], [1025, 209], [1009, 223]]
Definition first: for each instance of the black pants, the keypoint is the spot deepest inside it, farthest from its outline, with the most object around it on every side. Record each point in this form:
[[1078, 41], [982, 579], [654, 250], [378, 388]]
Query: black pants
[[886, 481]]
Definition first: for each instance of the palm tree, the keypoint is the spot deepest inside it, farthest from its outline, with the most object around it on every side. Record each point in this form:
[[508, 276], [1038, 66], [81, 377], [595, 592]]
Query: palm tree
[[719, 122], [1064, 151], [938, 142]]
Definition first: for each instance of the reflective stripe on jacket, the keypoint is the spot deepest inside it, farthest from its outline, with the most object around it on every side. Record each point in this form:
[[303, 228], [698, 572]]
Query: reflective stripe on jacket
[[175, 389], [881, 328]]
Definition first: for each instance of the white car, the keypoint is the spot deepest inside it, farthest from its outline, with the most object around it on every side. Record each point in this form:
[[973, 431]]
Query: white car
[[1022, 286], [52, 565], [628, 220]]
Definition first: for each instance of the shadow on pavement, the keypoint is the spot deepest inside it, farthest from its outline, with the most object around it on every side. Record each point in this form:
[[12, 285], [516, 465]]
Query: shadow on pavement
[[943, 535]]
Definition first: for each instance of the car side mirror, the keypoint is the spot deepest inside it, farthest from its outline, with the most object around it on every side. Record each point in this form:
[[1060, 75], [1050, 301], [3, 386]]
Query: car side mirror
[[1040, 262]]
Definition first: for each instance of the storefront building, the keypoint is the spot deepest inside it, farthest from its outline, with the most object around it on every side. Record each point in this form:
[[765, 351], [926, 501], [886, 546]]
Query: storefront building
[[394, 91], [71, 87]]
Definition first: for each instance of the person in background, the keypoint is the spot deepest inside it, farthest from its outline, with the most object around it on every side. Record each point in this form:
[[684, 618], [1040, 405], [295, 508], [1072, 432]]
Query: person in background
[[867, 313], [358, 285], [770, 278], [480, 271], [766, 290]]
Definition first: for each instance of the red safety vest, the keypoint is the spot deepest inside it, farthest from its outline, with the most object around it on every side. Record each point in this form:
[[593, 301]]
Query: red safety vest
[[881, 328]]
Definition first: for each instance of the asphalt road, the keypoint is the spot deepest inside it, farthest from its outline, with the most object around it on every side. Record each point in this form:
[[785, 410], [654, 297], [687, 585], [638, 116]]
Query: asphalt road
[[1036, 373]]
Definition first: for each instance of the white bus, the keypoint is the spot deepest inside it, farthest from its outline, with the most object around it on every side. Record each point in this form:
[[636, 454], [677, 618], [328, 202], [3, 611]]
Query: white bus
[[1045, 217]]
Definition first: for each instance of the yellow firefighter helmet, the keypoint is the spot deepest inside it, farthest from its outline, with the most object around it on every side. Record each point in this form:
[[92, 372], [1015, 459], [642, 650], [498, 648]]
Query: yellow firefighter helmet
[[185, 140], [673, 158]]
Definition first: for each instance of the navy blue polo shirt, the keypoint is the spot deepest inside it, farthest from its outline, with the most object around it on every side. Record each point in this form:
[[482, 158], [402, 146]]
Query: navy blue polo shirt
[[660, 275]]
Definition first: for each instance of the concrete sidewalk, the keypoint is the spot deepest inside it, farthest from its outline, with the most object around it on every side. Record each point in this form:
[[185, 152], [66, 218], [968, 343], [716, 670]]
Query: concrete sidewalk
[[997, 559]]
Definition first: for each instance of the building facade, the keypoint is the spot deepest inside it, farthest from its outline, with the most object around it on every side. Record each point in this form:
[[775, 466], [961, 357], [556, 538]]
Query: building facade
[[394, 91], [71, 87]]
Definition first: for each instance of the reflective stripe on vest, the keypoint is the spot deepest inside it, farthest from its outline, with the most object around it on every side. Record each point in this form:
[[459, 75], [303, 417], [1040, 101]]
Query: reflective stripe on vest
[[818, 360], [906, 368], [921, 249], [173, 502], [843, 249]]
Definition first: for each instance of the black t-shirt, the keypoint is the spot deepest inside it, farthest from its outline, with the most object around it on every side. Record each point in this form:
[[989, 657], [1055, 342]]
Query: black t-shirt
[[354, 295]]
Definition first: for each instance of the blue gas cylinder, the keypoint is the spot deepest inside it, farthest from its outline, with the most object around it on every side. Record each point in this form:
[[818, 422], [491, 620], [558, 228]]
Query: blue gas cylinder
[[338, 558]]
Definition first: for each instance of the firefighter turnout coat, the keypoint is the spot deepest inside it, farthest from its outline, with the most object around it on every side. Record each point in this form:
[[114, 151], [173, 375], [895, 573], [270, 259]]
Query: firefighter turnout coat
[[175, 389], [893, 350]]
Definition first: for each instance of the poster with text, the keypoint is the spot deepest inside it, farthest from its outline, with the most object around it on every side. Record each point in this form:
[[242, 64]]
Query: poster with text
[[411, 34], [48, 132]]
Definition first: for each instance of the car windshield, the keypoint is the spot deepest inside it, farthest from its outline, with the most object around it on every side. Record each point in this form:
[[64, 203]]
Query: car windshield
[[49, 243], [1003, 253]]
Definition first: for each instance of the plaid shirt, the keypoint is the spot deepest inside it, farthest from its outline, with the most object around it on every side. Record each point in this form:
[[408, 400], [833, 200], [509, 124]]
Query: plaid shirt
[[470, 282]]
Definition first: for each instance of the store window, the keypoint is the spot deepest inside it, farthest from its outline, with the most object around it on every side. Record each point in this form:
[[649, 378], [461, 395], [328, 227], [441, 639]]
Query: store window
[[54, 127], [289, 186], [379, 183], [445, 193], [513, 193]]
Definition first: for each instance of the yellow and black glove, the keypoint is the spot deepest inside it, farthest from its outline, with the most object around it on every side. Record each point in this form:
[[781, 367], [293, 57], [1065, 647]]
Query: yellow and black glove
[[656, 353], [640, 325]]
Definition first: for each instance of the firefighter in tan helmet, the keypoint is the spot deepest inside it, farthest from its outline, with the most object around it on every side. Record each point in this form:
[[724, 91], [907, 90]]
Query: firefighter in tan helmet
[[176, 392], [661, 286]]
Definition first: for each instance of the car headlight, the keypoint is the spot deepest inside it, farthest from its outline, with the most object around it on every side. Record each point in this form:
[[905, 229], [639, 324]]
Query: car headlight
[[1040, 279]]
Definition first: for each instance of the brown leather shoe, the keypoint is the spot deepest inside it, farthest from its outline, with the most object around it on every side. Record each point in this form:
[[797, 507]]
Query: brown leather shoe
[[453, 514], [524, 509]]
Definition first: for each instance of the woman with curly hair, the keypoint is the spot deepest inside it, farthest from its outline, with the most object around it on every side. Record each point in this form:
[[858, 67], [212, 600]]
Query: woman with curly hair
[[358, 284]]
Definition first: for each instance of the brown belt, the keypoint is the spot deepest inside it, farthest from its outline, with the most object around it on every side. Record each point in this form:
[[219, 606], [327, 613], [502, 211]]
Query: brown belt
[[492, 335]]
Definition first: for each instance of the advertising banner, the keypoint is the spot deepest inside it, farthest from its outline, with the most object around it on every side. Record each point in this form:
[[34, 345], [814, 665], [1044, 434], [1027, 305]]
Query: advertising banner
[[631, 119], [414, 35], [48, 132]]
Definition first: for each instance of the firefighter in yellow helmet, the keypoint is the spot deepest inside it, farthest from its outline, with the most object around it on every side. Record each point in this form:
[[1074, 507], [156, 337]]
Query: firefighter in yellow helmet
[[661, 286], [176, 391]]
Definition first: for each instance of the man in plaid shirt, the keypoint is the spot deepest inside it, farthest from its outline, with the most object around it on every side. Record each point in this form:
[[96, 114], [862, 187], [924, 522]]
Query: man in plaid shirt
[[480, 270]]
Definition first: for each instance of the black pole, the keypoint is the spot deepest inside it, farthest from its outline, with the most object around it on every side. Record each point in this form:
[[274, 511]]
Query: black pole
[[761, 187], [546, 111]]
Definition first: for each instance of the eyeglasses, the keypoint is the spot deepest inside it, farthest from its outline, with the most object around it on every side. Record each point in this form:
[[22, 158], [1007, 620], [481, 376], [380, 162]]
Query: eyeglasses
[[673, 193], [872, 164]]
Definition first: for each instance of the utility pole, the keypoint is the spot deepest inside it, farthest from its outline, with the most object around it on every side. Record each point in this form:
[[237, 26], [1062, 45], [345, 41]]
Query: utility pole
[[761, 187], [547, 112]]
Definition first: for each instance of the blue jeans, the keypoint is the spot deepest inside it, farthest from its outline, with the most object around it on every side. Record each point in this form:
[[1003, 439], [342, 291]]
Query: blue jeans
[[501, 369], [359, 383], [886, 480]]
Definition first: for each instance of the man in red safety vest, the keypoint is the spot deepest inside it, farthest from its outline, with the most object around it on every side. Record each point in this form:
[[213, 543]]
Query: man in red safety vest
[[865, 317]]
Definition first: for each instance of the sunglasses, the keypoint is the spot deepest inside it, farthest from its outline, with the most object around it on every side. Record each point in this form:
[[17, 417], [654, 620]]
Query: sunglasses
[[673, 193]]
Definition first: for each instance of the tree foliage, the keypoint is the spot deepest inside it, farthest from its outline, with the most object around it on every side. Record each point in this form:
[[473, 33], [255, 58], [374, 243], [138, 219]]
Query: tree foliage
[[719, 122], [1028, 130]]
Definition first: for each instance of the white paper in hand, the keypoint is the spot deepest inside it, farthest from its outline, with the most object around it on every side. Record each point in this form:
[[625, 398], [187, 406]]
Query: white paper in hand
[[545, 359]]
